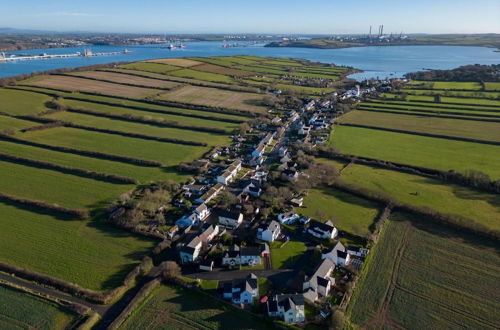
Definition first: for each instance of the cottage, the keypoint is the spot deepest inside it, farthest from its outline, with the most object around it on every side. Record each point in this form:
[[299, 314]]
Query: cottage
[[190, 252], [321, 282], [290, 307], [230, 219], [259, 151], [322, 230], [338, 255], [288, 217], [242, 291], [269, 232]]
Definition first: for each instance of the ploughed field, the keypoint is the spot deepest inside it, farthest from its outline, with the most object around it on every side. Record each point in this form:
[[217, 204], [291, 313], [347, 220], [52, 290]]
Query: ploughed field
[[422, 276], [71, 143]]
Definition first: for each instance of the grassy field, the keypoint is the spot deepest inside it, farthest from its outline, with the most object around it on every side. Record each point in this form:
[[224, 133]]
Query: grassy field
[[417, 190], [182, 62], [425, 277], [126, 79], [350, 213], [170, 154], [480, 130], [141, 173], [411, 149], [446, 85], [201, 75], [138, 128], [150, 67], [216, 97], [16, 102], [92, 86], [284, 257], [170, 307], [447, 99], [54, 187], [87, 253], [23, 311], [14, 123], [221, 70]]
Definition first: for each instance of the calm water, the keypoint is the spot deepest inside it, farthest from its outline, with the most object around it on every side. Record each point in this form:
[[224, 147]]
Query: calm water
[[380, 62]]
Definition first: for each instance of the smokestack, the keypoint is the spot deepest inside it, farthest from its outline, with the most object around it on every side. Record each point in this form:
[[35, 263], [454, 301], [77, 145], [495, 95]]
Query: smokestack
[[370, 34], [382, 31]]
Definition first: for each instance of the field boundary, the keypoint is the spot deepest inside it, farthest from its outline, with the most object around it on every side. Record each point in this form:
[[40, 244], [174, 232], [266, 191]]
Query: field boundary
[[431, 114]]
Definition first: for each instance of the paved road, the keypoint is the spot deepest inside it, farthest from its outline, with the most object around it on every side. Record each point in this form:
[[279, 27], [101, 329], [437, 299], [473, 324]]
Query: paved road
[[101, 309], [235, 274]]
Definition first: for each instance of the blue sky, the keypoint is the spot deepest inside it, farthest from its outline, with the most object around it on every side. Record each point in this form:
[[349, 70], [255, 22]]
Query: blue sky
[[259, 16]]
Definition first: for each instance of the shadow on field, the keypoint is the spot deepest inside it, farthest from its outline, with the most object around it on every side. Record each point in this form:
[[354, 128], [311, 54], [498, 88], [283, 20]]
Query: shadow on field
[[39, 210], [172, 170], [445, 231]]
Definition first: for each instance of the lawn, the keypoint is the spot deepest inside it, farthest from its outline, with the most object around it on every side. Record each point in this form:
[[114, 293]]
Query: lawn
[[216, 98], [139, 128], [169, 307], [87, 253], [121, 78], [54, 187], [417, 190], [480, 130], [420, 276], [142, 173], [284, 257], [20, 310], [68, 83], [424, 151], [350, 213], [17, 102], [170, 154]]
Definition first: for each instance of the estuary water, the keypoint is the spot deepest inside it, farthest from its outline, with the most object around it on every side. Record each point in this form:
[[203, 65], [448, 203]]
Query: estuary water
[[376, 61]]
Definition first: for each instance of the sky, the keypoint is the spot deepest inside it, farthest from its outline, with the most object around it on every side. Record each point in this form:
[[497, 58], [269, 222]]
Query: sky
[[253, 16]]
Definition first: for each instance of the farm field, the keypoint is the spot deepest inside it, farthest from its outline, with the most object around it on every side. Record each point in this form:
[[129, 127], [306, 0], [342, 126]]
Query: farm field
[[347, 212], [471, 94], [216, 98], [67, 248], [182, 62], [150, 67], [14, 123], [20, 310], [86, 85], [446, 99], [221, 70], [446, 85], [139, 128], [142, 173], [170, 307], [439, 105], [170, 154], [15, 102], [439, 195], [420, 276], [120, 78], [488, 131], [284, 257], [424, 151], [67, 190], [201, 75]]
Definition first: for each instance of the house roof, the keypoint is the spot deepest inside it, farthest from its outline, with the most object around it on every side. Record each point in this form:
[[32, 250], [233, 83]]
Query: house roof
[[202, 207], [273, 226], [324, 227], [341, 254], [231, 254], [228, 214], [250, 251]]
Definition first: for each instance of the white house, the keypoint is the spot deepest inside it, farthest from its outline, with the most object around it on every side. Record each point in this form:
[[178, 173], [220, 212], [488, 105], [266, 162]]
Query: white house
[[321, 282], [190, 252], [269, 232], [288, 217], [202, 212], [338, 255], [242, 291], [230, 173], [250, 256], [230, 219], [290, 307], [231, 257], [322, 230], [259, 151]]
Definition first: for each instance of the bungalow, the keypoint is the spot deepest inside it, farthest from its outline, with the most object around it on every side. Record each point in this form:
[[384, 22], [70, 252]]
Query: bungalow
[[288, 217], [290, 307], [190, 252], [209, 233], [210, 194], [322, 230], [337, 255], [259, 151], [242, 291], [321, 282], [230, 219], [269, 232]]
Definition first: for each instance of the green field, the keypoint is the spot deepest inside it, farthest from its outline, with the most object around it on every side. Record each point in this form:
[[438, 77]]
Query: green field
[[87, 253], [284, 257], [417, 190], [150, 67], [350, 213], [454, 100], [201, 75], [20, 310], [16, 102], [170, 307], [424, 277], [14, 123], [66, 190], [446, 85], [411, 149], [470, 129], [170, 154]]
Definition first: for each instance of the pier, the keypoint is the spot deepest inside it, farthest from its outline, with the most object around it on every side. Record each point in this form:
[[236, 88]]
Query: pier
[[86, 53]]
